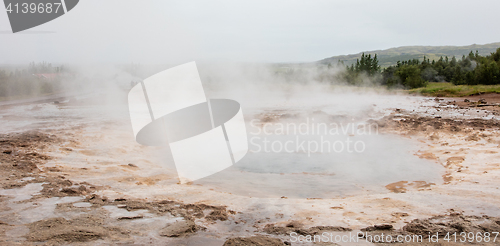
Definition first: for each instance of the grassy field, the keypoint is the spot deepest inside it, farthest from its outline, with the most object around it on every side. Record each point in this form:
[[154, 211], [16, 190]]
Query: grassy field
[[444, 89]]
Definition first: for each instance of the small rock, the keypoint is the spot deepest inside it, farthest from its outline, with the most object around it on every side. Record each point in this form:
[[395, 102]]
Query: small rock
[[70, 191], [217, 215], [131, 217], [383, 227], [294, 224], [178, 228]]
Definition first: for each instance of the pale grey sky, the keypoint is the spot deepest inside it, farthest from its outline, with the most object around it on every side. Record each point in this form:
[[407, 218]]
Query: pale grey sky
[[163, 31]]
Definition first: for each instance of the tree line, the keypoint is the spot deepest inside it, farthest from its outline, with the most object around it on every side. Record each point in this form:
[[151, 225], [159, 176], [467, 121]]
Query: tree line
[[28, 81], [472, 69]]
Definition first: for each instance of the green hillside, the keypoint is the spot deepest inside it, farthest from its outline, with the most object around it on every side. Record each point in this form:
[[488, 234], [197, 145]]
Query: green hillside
[[391, 56]]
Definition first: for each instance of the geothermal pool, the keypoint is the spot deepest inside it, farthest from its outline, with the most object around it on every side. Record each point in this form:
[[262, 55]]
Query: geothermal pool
[[386, 159]]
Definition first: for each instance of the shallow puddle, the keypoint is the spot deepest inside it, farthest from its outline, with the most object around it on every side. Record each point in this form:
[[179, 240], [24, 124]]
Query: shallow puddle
[[385, 159]]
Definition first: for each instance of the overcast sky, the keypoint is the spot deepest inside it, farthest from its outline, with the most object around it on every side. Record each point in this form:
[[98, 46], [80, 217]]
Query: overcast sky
[[165, 31]]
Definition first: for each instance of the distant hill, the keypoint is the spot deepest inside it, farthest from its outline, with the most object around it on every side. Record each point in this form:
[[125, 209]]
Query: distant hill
[[391, 56]]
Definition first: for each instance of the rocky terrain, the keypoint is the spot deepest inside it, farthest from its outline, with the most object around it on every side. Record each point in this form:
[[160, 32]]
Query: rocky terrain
[[69, 175]]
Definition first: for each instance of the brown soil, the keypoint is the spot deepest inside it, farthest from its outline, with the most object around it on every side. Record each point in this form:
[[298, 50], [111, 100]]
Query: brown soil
[[24, 155], [412, 124], [488, 97], [187, 211], [20, 153], [440, 226], [403, 186], [298, 228], [452, 223], [489, 101], [82, 229], [273, 116], [255, 240]]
